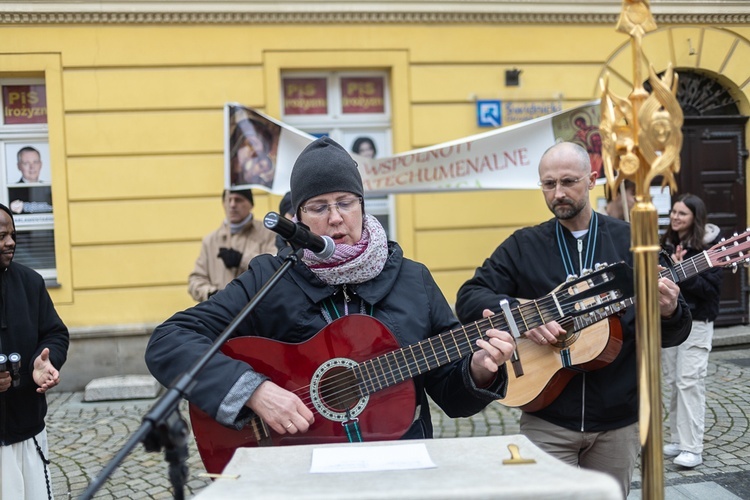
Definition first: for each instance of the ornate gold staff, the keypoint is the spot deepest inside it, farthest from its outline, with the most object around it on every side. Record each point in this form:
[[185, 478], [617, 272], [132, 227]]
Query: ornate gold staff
[[641, 139]]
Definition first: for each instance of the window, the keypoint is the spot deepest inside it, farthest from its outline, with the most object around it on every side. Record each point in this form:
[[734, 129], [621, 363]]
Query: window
[[26, 179], [353, 108]]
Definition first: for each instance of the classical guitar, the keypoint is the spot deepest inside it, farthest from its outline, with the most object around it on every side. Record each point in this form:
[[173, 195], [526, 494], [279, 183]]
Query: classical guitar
[[592, 342], [355, 370]]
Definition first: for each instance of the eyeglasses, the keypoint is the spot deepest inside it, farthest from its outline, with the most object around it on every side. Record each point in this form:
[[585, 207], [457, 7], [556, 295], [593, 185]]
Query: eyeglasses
[[551, 185], [345, 206]]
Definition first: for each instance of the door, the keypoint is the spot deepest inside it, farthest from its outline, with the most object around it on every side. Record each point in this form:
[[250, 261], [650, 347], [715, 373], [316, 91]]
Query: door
[[713, 168]]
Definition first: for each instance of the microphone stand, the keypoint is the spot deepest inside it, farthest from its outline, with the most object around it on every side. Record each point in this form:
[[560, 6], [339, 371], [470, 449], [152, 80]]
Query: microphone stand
[[164, 426]]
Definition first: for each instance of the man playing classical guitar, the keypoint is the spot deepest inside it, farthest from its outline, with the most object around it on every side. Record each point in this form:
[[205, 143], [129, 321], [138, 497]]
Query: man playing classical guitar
[[366, 279], [593, 423]]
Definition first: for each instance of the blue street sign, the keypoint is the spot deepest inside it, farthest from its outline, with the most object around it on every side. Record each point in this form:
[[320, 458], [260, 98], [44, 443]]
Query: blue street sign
[[488, 114]]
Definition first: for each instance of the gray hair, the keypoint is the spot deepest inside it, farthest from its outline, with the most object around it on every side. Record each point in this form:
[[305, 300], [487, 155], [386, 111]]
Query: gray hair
[[27, 149]]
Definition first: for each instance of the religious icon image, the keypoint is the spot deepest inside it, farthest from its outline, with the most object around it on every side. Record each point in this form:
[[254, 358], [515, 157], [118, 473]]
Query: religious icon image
[[253, 146], [581, 126]]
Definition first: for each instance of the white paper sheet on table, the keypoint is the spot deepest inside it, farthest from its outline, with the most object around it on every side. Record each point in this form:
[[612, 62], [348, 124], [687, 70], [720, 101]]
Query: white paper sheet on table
[[370, 458]]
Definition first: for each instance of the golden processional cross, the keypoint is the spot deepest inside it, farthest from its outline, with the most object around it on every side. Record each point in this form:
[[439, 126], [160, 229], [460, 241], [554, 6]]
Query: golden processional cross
[[641, 140]]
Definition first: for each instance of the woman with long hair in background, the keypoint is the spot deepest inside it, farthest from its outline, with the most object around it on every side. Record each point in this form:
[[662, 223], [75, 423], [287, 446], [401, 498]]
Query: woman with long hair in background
[[685, 366]]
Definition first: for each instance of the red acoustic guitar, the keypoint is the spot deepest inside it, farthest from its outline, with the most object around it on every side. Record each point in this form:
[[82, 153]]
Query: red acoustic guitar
[[355, 369], [593, 343]]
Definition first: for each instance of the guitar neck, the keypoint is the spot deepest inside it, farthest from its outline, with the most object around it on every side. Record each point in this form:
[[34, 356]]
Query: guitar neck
[[682, 271], [408, 362], [688, 268]]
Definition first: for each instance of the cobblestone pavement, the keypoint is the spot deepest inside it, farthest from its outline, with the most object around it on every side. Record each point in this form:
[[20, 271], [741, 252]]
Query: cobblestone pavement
[[84, 437]]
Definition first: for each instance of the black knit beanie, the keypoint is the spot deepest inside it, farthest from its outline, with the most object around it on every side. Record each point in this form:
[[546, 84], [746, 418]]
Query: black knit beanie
[[323, 167], [246, 193]]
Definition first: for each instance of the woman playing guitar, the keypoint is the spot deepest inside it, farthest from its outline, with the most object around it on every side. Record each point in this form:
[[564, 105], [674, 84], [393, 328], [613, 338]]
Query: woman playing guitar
[[366, 288]]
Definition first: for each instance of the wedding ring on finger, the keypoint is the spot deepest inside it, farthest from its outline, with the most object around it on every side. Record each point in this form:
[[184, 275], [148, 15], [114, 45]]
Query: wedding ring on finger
[[289, 426]]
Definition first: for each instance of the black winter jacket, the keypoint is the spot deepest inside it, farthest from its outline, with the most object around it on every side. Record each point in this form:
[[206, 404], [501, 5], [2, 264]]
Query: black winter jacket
[[702, 292], [404, 297], [28, 324], [528, 265]]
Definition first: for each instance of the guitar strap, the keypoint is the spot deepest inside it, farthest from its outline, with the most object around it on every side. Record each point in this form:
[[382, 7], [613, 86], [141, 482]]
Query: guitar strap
[[351, 426], [325, 310], [591, 237]]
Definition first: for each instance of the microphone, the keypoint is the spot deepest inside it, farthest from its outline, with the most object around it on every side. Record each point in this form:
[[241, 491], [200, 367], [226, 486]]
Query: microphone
[[14, 362], [299, 235]]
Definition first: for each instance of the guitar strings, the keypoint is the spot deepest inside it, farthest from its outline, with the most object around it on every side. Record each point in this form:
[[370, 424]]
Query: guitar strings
[[382, 380], [542, 306], [337, 386], [467, 340], [334, 389]]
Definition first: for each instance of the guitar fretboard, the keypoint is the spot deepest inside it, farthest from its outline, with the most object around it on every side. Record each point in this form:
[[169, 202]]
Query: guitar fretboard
[[682, 271], [688, 268], [402, 364]]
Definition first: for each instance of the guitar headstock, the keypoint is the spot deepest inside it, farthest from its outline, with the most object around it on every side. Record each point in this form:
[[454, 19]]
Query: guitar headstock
[[731, 252], [596, 289]]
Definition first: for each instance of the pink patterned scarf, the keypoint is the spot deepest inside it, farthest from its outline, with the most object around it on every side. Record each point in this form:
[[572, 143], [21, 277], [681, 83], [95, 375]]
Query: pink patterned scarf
[[353, 263]]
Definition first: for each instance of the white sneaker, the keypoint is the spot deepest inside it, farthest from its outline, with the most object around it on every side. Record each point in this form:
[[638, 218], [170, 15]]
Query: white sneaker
[[687, 459], [671, 449]]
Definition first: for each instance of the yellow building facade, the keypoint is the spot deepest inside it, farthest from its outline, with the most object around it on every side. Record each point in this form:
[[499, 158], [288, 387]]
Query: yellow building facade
[[135, 95]]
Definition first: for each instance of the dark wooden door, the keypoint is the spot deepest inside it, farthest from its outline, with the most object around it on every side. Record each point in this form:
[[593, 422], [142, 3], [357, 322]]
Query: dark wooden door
[[713, 164]]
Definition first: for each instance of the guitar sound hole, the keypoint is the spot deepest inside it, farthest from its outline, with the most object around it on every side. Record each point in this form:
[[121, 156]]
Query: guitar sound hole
[[338, 389], [566, 340]]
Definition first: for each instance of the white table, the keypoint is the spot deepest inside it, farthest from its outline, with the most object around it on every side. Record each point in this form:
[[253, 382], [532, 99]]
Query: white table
[[466, 468]]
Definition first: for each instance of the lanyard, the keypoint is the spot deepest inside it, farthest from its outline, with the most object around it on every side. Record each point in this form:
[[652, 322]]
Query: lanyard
[[588, 261]]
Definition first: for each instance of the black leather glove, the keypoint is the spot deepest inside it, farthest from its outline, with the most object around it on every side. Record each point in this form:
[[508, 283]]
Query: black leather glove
[[230, 256]]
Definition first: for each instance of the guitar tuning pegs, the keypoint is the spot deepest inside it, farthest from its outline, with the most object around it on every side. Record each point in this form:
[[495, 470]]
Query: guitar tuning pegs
[[597, 267], [571, 277], [586, 272]]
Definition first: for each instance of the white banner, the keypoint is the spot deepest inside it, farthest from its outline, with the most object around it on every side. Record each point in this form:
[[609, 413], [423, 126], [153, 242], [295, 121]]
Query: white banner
[[260, 153]]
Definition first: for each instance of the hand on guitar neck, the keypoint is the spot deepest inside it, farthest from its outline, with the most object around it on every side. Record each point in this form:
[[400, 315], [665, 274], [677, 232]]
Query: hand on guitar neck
[[546, 334], [495, 351], [668, 295], [551, 332]]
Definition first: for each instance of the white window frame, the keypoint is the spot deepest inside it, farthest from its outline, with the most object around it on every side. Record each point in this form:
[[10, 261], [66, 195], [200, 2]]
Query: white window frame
[[337, 125], [36, 132]]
